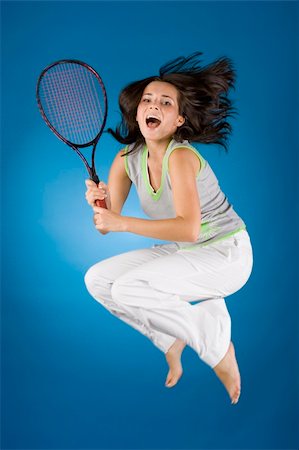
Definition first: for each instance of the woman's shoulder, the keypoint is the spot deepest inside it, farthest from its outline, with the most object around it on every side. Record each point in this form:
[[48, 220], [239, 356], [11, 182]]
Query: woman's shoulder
[[185, 144]]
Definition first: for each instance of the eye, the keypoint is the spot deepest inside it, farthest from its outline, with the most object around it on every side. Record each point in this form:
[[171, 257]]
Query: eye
[[166, 102], [146, 100]]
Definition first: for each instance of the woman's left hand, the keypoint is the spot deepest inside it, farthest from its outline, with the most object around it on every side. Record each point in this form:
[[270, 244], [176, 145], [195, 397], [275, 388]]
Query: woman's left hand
[[106, 220]]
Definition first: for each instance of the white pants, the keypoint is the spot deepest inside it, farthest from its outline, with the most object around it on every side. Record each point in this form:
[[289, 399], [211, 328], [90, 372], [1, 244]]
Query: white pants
[[151, 290]]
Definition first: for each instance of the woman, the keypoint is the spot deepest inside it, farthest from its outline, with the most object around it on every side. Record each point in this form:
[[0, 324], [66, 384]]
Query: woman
[[209, 256]]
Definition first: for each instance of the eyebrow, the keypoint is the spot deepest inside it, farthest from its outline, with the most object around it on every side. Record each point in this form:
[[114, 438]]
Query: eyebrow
[[148, 93]]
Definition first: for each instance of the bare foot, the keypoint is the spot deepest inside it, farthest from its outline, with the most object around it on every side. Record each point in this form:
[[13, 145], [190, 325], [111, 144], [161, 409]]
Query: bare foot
[[173, 357], [228, 373]]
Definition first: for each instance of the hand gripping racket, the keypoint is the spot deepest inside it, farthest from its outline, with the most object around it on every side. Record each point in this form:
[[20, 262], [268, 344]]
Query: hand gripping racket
[[72, 100]]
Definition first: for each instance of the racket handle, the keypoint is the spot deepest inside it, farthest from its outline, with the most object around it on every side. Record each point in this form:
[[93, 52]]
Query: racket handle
[[101, 203]]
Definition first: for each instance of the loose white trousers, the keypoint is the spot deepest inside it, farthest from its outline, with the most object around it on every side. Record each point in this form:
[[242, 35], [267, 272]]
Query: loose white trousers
[[151, 289]]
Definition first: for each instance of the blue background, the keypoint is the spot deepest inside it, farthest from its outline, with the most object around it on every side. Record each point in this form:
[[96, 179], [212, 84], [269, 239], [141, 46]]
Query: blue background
[[73, 375]]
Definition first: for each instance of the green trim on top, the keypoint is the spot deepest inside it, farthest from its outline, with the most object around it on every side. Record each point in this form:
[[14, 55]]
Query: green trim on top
[[204, 227], [126, 162], [226, 236], [144, 157], [194, 150], [144, 169]]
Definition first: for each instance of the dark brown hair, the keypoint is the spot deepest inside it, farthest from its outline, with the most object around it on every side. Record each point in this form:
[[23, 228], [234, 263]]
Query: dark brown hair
[[202, 99]]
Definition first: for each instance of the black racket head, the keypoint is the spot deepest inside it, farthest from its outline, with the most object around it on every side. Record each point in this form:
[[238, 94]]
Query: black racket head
[[73, 102]]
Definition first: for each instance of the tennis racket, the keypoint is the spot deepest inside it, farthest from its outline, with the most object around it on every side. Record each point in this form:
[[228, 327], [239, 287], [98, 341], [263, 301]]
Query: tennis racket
[[72, 100]]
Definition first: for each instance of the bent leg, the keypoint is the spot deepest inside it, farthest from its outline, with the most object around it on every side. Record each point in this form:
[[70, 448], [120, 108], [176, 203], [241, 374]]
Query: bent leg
[[99, 280], [160, 292]]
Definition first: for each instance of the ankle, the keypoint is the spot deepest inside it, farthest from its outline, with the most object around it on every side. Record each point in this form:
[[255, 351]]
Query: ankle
[[177, 345]]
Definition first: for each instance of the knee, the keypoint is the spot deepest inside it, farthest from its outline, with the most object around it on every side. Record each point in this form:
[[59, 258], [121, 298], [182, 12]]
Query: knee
[[89, 279], [94, 281]]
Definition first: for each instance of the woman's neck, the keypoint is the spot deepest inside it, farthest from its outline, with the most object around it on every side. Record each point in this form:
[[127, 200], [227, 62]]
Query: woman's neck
[[157, 149]]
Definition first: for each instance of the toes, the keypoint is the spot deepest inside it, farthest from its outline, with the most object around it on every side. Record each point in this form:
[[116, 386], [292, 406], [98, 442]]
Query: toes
[[236, 397], [171, 382], [168, 380], [172, 378]]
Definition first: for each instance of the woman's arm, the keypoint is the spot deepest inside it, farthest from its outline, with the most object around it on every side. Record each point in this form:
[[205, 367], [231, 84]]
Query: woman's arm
[[115, 192], [119, 183], [185, 227]]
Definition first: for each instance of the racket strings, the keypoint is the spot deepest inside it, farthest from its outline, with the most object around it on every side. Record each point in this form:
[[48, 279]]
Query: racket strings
[[73, 102], [55, 93]]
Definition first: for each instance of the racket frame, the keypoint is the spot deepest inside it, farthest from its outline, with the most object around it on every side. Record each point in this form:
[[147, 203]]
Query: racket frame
[[91, 169]]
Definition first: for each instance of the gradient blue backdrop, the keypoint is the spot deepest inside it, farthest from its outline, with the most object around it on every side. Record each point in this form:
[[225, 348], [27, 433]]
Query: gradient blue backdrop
[[73, 375]]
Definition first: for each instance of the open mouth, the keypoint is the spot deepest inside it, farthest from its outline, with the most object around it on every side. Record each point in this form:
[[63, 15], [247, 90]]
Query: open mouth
[[153, 122]]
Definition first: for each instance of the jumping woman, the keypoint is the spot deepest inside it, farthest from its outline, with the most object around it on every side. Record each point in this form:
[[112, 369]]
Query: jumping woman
[[208, 254]]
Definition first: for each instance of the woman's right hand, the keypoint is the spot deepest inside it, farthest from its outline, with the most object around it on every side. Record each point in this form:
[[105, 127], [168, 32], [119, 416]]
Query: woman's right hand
[[97, 192]]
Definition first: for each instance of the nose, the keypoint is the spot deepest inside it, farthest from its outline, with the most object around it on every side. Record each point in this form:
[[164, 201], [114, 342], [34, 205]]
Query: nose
[[154, 107]]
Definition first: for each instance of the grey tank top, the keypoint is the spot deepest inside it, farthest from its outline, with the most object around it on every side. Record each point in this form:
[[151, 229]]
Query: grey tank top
[[218, 218]]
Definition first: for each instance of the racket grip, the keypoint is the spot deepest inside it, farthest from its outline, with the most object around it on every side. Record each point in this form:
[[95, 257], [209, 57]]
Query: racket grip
[[101, 203]]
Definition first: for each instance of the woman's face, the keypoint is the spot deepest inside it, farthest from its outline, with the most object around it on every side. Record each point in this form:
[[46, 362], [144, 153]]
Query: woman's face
[[158, 111]]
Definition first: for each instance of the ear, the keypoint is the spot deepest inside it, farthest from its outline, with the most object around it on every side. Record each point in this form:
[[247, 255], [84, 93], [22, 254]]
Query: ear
[[180, 121]]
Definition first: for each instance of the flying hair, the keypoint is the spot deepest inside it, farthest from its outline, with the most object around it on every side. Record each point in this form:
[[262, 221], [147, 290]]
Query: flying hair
[[202, 98]]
